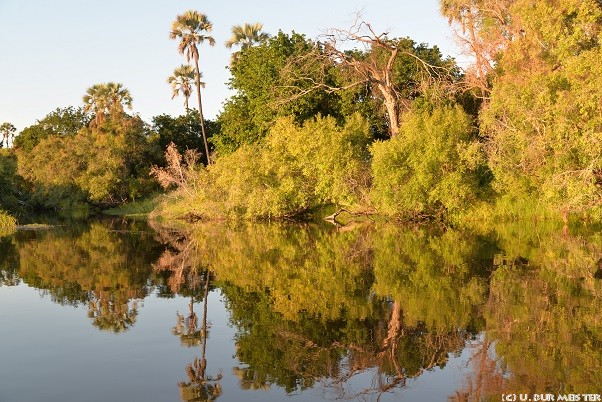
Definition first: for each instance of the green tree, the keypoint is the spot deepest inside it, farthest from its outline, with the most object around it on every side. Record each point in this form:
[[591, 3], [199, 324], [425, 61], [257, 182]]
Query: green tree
[[262, 93], [181, 82], [101, 165], [184, 131], [189, 28], [245, 36], [8, 133], [293, 170], [542, 121], [394, 70], [60, 122], [106, 99], [10, 183]]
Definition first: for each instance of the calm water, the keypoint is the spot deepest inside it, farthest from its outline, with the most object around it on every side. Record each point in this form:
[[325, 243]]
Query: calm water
[[120, 311]]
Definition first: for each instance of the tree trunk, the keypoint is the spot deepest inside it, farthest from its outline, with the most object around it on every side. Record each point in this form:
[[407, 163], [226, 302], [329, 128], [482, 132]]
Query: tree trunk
[[204, 327], [197, 80], [392, 109]]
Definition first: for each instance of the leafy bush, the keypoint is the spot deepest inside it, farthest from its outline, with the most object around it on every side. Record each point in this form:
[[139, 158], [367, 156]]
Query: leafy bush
[[543, 121], [434, 165], [6, 221], [9, 181], [104, 165], [295, 168]]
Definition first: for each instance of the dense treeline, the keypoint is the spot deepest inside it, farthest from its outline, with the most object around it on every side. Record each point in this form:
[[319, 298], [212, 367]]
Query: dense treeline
[[390, 127]]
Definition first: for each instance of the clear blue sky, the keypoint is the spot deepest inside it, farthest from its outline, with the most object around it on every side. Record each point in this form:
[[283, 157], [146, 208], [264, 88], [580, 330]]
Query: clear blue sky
[[51, 51]]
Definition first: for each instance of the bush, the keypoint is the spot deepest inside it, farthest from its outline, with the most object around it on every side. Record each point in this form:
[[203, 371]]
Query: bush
[[104, 165], [292, 170], [9, 181], [434, 165], [7, 221]]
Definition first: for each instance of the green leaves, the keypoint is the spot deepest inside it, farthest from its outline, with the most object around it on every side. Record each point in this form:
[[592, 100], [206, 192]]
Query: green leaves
[[431, 167], [295, 168], [98, 165], [261, 76], [106, 99]]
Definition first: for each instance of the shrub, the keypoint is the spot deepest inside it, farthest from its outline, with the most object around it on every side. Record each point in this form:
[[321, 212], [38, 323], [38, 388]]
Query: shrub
[[434, 165], [294, 169], [7, 221]]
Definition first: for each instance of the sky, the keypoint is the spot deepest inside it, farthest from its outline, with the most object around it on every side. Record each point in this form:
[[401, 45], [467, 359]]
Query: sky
[[51, 51]]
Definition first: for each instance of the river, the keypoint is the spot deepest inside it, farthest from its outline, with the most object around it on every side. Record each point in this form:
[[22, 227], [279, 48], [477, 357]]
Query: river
[[115, 310]]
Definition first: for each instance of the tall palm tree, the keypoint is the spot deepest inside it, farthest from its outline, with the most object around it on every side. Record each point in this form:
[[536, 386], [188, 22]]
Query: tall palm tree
[[106, 99], [245, 36], [8, 131], [189, 28], [181, 82]]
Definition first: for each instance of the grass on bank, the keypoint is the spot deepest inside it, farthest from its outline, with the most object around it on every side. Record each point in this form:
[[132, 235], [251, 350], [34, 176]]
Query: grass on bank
[[136, 209]]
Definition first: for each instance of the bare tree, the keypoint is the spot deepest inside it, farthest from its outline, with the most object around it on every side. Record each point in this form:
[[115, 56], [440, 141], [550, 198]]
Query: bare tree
[[180, 171], [373, 65]]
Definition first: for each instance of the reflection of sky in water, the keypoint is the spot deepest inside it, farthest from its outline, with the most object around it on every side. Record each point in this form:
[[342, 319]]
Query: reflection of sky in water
[[51, 352]]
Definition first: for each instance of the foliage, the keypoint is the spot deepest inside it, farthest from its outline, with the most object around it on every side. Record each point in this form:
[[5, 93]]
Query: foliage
[[184, 131], [394, 71], [104, 164], [261, 93], [434, 165], [107, 99], [10, 183], [181, 82], [293, 170], [7, 222], [245, 36], [541, 67], [190, 29], [61, 122]]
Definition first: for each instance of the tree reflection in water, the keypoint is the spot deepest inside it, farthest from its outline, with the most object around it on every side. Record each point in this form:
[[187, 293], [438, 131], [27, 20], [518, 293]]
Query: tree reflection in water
[[103, 265], [314, 305], [9, 263], [110, 313], [187, 277], [543, 314]]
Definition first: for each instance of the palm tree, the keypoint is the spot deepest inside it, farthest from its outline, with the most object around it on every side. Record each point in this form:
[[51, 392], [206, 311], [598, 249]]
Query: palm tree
[[181, 81], [245, 36], [106, 99], [189, 28], [7, 130]]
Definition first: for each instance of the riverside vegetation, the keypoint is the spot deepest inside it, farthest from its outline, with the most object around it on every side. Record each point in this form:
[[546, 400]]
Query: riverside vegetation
[[504, 157], [391, 127]]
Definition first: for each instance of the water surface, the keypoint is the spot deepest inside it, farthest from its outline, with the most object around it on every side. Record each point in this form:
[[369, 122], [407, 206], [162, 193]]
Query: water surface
[[113, 310]]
